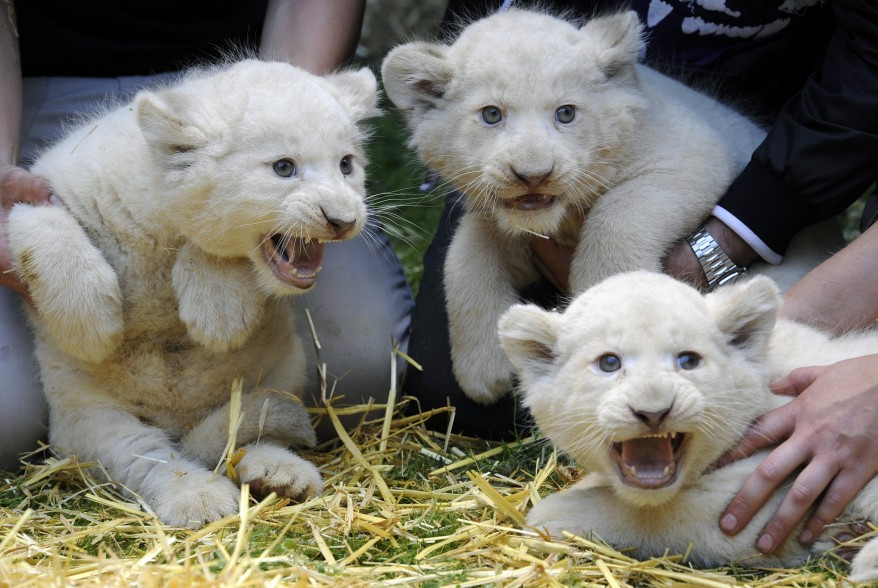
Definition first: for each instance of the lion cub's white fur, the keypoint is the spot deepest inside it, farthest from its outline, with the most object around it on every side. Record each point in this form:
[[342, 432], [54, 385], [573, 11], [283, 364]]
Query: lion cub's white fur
[[639, 165], [639, 357], [154, 283]]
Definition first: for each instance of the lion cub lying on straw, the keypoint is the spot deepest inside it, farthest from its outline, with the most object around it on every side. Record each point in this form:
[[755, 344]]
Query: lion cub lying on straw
[[645, 383], [185, 213], [551, 129]]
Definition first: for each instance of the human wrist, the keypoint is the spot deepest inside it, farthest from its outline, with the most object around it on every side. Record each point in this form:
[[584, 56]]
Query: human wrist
[[713, 265], [738, 250]]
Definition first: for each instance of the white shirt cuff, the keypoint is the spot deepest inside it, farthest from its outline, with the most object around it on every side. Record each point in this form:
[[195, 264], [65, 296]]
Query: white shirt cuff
[[744, 232]]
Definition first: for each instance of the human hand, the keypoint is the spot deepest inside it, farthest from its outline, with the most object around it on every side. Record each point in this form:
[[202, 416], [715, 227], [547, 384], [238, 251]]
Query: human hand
[[17, 185], [828, 431]]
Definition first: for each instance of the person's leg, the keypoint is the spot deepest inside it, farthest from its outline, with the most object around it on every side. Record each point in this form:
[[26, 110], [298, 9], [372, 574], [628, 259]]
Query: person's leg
[[435, 386], [23, 414], [359, 309], [49, 107]]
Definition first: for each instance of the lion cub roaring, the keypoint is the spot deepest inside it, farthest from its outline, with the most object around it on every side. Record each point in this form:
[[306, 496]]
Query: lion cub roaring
[[645, 383], [185, 214]]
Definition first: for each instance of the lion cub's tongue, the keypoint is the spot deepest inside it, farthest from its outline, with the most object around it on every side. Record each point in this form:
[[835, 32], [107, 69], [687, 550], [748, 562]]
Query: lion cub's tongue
[[305, 257], [648, 462], [530, 202], [297, 261]]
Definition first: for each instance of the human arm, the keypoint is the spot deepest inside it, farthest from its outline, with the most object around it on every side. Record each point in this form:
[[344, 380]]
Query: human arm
[[16, 184], [317, 35], [821, 152], [553, 260], [853, 273]]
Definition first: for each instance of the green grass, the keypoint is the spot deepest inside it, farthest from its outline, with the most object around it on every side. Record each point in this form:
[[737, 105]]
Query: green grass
[[409, 215]]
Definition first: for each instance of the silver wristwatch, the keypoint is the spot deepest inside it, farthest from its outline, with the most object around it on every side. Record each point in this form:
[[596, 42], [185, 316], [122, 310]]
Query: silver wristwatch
[[717, 266]]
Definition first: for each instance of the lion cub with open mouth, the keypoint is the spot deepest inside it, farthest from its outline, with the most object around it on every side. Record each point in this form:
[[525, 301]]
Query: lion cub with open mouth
[[185, 214], [646, 383]]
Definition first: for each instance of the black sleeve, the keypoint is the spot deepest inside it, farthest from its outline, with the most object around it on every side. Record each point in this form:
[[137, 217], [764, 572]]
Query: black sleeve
[[434, 385], [821, 154]]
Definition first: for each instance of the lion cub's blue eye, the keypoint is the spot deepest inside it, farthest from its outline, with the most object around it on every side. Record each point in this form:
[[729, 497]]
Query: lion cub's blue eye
[[346, 165], [609, 362], [565, 114], [688, 360], [491, 115], [285, 168]]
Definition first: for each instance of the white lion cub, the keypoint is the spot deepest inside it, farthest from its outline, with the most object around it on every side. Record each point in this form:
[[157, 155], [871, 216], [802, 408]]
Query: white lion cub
[[555, 130], [184, 214], [645, 383]]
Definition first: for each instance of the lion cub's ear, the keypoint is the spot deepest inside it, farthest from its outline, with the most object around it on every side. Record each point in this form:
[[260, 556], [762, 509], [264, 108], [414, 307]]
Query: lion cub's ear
[[746, 312], [529, 335], [614, 42], [357, 90], [168, 120], [415, 76]]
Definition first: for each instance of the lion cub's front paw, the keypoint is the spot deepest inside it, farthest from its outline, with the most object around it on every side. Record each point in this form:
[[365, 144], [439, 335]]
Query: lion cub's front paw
[[217, 299], [74, 289], [270, 468], [196, 498], [484, 377]]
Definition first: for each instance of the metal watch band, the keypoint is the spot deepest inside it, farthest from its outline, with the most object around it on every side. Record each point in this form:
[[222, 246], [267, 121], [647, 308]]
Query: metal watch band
[[717, 266]]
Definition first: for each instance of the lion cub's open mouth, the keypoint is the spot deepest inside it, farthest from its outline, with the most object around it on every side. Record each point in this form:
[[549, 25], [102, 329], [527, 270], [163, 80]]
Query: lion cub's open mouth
[[295, 261], [651, 461], [529, 202]]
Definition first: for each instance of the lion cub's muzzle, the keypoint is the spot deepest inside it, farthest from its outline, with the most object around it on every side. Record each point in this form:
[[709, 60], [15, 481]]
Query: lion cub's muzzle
[[297, 260]]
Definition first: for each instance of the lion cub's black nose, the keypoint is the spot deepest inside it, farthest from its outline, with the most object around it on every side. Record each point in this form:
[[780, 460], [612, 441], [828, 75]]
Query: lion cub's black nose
[[652, 419]]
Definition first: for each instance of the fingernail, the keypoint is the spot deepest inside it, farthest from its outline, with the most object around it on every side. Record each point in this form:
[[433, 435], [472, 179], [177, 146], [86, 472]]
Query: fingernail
[[806, 537], [765, 543], [728, 523]]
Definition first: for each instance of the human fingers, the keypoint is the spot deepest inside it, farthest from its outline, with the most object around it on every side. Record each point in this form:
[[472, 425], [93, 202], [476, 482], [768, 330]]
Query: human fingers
[[19, 185], [768, 430], [838, 495], [797, 380], [761, 484], [805, 491]]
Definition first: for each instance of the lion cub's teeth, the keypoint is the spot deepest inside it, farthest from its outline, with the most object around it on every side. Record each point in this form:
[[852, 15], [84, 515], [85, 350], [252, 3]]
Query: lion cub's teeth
[[632, 471], [672, 435], [667, 471]]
